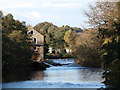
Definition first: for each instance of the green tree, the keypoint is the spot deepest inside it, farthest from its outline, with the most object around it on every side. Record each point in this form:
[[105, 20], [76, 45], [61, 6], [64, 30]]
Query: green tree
[[16, 51], [70, 38], [54, 36]]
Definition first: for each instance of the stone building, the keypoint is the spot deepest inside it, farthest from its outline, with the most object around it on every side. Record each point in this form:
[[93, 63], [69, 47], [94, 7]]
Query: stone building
[[37, 44]]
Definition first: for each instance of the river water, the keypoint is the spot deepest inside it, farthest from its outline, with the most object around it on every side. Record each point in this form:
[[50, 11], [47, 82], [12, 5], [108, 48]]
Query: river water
[[66, 76]]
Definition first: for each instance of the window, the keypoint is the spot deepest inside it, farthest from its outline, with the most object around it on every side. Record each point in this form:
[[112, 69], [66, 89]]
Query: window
[[31, 32], [35, 48], [35, 40]]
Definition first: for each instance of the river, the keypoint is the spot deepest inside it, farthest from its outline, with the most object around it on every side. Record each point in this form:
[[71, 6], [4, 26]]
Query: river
[[66, 76]]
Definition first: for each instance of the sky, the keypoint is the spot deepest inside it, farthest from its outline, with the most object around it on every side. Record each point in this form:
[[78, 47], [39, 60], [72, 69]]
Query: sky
[[58, 12]]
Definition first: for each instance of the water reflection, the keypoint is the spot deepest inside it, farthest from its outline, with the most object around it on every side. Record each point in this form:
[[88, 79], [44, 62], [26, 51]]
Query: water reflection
[[74, 75], [16, 76], [68, 73], [37, 75]]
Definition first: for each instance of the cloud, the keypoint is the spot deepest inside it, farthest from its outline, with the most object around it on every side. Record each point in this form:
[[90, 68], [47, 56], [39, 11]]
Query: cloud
[[36, 4], [61, 5], [5, 4], [56, 11], [15, 4], [33, 15]]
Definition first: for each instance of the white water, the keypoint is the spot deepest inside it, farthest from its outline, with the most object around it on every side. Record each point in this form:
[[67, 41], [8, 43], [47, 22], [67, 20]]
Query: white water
[[67, 76]]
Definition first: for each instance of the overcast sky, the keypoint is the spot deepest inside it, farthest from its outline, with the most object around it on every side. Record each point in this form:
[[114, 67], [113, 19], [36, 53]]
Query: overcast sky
[[59, 12]]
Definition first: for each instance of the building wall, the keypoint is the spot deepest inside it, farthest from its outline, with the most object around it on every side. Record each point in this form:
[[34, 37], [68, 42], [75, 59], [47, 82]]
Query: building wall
[[38, 47]]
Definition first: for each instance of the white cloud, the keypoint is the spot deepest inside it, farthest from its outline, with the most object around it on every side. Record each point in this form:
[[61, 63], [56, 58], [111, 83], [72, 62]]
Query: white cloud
[[34, 11], [33, 15], [61, 5], [15, 4], [5, 4]]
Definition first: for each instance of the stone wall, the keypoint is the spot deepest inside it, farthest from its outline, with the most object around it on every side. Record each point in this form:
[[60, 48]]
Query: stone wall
[[38, 46]]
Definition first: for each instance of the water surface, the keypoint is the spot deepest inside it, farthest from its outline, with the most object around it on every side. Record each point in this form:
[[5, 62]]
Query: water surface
[[66, 76]]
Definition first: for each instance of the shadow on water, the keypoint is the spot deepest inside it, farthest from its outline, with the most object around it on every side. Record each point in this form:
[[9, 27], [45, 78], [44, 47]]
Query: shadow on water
[[71, 73], [16, 76], [91, 75]]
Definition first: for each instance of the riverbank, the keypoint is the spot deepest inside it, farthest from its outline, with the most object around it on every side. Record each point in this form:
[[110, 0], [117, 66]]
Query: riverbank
[[55, 56]]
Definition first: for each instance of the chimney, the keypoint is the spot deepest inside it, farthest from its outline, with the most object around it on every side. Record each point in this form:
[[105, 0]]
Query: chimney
[[23, 23]]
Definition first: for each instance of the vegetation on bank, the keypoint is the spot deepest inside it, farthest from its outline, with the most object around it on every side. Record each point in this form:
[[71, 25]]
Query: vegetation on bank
[[87, 49], [16, 47], [95, 47], [16, 43], [105, 17], [83, 44], [57, 38], [16, 53]]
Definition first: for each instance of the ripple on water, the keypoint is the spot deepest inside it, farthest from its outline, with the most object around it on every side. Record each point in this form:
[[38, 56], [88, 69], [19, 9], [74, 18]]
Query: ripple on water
[[66, 76], [41, 84]]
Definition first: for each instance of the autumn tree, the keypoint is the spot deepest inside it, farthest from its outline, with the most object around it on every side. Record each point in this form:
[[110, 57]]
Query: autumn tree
[[105, 18], [70, 38], [87, 48], [54, 35]]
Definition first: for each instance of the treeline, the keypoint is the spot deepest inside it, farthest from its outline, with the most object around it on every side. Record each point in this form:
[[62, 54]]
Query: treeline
[[82, 44], [57, 38], [16, 52]]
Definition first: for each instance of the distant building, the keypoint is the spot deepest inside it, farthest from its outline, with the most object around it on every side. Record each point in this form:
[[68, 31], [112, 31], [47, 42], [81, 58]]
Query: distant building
[[50, 50], [68, 50], [37, 44], [23, 23]]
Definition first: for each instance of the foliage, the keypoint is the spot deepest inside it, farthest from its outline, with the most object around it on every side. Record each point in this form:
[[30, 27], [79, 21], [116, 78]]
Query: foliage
[[16, 51], [105, 17], [87, 48], [54, 35], [70, 38]]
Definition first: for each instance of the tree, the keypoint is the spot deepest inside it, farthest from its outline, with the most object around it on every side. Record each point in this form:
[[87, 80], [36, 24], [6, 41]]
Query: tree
[[104, 16], [16, 51], [8, 23], [54, 36], [87, 48], [70, 38]]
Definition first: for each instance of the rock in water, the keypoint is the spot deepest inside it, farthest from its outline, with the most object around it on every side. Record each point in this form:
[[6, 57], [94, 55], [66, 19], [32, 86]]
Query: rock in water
[[40, 66]]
